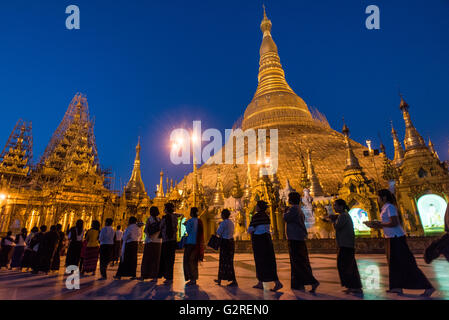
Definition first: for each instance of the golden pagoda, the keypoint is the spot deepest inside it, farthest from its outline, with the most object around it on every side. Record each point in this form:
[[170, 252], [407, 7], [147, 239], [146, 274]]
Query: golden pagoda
[[137, 200], [276, 106]]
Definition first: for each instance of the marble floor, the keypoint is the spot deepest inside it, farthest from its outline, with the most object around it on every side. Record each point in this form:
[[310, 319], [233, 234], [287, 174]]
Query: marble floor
[[373, 269]]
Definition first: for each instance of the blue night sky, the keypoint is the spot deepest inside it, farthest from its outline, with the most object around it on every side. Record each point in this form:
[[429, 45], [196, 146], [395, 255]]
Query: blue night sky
[[148, 67]]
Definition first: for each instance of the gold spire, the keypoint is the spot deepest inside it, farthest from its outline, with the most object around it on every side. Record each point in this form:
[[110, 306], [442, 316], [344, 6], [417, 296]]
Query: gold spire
[[135, 183], [398, 150], [351, 160], [236, 191], [315, 186], [160, 192], [219, 193], [432, 149], [412, 138], [274, 101]]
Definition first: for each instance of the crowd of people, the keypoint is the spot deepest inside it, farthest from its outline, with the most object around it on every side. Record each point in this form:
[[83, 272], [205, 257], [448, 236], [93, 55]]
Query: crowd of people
[[40, 250]]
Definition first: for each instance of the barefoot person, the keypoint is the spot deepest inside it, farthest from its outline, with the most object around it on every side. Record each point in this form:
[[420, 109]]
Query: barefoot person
[[106, 247], [264, 257], [301, 271], [152, 250], [346, 263], [403, 270], [128, 258], [227, 247], [169, 228], [194, 248]]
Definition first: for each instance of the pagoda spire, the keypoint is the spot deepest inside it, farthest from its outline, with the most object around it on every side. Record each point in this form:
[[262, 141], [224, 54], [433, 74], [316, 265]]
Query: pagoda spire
[[398, 150], [432, 149], [219, 193], [351, 160], [135, 184], [412, 138], [236, 192], [315, 186], [271, 74], [160, 191]]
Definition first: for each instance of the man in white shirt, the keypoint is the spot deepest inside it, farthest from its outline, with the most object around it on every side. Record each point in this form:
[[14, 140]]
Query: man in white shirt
[[106, 247]]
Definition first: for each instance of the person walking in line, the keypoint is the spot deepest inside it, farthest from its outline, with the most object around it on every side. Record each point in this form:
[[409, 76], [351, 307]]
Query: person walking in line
[[128, 257], [403, 270], [225, 232], [152, 251], [7, 245], [92, 249], [118, 236], [194, 247], [47, 246], [75, 236], [28, 255], [56, 262], [19, 249], [169, 229], [301, 271], [345, 236], [264, 256], [106, 247]]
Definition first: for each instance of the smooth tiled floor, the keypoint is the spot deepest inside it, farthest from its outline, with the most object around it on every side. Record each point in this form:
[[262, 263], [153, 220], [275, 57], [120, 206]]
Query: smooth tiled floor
[[373, 269]]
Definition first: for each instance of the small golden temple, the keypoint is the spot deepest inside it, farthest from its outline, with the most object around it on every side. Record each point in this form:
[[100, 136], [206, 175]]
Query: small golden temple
[[319, 162]]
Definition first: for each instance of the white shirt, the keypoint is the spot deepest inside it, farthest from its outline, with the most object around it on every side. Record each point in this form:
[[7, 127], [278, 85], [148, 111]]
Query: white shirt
[[118, 235], [388, 211], [131, 234], [226, 229], [106, 235], [260, 229]]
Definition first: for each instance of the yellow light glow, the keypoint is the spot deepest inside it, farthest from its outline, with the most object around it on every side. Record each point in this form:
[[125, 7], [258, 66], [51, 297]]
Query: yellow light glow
[[2, 196], [267, 160], [194, 138]]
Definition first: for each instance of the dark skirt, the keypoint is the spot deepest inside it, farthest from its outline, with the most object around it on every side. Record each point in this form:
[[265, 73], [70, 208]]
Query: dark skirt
[[90, 259], [117, 250], [264, 257], [226, 260], [5, 254], [168, 252], [190, 262], [106, 253], [151, 260], [347, 268], [301, 271], [73, 253], [128, 265], [17, 256], [403, 270], [28, 257]]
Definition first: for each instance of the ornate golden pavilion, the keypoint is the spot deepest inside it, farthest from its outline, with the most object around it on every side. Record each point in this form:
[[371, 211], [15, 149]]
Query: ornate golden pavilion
[[67, 184]]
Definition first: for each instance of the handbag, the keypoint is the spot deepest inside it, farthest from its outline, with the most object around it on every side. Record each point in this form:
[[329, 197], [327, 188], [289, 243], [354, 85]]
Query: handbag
[[214, 242]]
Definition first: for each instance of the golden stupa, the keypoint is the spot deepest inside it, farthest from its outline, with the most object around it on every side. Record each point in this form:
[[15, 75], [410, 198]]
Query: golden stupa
[[303, 139]]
